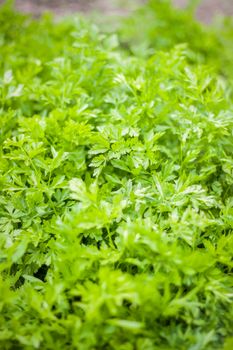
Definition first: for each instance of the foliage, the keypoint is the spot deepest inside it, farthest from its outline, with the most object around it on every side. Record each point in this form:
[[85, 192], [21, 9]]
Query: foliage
[[159, 26], [116, 191]]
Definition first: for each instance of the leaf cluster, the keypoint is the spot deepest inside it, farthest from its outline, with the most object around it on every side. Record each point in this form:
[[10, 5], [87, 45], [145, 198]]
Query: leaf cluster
[[116, 180]]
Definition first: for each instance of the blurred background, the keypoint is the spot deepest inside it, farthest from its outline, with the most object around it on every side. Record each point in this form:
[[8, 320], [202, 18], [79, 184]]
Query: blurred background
[[206, 11]]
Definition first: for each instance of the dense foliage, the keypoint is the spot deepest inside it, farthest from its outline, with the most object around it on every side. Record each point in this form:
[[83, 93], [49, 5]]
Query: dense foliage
[[116, 180]]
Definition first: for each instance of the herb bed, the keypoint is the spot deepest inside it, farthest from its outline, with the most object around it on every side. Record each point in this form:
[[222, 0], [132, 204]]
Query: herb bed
[[116, 204]]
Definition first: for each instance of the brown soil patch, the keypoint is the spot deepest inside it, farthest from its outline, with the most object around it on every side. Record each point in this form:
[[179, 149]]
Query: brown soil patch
[[207, 9]]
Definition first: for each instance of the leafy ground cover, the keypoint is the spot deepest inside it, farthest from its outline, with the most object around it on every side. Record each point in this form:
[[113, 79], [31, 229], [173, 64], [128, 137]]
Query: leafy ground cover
[[116, 178]]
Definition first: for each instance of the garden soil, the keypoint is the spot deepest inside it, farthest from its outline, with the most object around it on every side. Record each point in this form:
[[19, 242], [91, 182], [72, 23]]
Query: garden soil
[[207, 10]]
